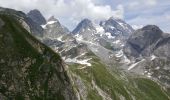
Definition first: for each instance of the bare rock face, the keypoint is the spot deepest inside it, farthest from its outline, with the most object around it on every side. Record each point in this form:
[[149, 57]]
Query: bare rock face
[[37, 17], [117, 27], [143, 41]]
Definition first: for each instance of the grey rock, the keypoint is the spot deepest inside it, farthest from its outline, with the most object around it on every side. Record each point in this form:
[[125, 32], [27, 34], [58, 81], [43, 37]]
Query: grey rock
[[37, 17], [143, 41], [27, 22], [116, 27], [83, 25]]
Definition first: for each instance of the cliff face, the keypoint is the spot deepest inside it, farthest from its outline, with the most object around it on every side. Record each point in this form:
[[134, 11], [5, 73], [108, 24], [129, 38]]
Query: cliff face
[[29, 69]]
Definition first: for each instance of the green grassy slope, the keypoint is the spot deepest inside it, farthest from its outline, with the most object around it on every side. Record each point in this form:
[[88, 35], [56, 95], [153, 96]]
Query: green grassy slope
[[29, 69], [113, 84]]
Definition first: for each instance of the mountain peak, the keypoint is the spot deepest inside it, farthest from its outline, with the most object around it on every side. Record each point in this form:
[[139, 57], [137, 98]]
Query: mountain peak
[[86, 20], [84, 24], [36, 16], [114, 18], [117, 26], [52, 18], [152, 28]]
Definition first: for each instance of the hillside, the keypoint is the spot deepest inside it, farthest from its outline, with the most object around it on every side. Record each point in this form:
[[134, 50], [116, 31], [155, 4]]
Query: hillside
[[28, 68]]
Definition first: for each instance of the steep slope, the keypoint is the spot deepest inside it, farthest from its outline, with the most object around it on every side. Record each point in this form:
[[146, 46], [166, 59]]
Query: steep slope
[[37, 17], [148, 50], [143, 41], [28, 69], [53, 28], [117, 27], [26, 22], [105, 40], [101, 82], [92, 78]]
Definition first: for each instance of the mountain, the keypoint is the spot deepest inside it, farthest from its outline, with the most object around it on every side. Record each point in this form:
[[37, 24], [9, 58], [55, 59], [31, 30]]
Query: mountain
[[54, 29], [27, 22], [85, 24], [143, 41], [148, 49], [86, 75], [29, 69], [116, 27], [37, 17], [106, 39], [93, 78]]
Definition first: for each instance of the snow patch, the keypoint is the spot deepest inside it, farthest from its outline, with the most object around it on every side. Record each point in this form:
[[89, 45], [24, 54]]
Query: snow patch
[[51, 22], [48, 23], [149, 75], [75, 60], [99, 29], [109, 35], [153, 57], [134, 65], [126, 60], [59, 38], [119, 54], [43, 26], [79, 37], [116, 42]]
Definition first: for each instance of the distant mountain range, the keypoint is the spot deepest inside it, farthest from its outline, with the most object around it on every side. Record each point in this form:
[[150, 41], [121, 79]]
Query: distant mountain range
[[105, 61]]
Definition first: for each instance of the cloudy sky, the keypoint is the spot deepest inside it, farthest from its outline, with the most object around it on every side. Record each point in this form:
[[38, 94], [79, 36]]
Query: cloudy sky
[[135, 12]]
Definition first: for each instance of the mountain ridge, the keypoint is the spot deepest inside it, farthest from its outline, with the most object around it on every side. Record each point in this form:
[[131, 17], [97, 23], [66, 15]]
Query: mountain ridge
[[88, 75]]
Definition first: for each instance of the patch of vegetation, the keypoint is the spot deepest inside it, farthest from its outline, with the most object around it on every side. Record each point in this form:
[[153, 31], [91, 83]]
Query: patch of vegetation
[[115, 84], [29, 69]]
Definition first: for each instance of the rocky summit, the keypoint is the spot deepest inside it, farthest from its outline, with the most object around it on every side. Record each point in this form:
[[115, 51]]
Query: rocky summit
[[37, 17], [42, 60]]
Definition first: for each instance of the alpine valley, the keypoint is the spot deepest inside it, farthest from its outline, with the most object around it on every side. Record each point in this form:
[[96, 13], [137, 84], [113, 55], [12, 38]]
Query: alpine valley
[[41, 59]]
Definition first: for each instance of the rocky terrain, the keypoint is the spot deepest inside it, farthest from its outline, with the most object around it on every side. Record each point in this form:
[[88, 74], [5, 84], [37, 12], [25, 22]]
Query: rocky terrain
[[148, 48], [29, 70], [105, 61]]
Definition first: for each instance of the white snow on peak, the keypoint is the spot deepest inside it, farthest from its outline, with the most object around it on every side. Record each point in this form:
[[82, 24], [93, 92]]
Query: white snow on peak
[[99, 29], [153, 57], [109, 35], [134, 64], [48, 23], [51, 22], [124, 25]]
